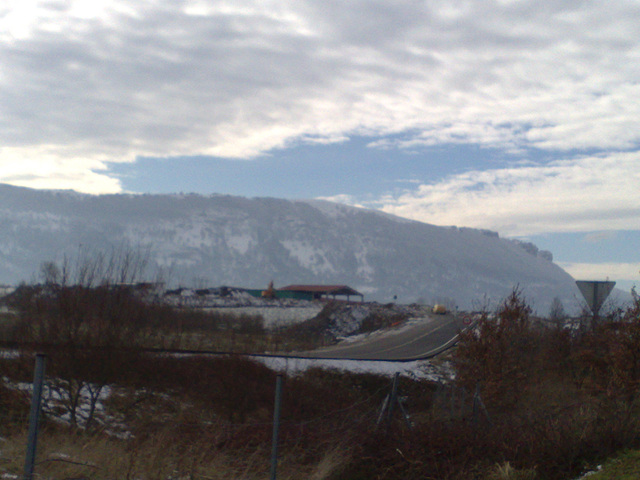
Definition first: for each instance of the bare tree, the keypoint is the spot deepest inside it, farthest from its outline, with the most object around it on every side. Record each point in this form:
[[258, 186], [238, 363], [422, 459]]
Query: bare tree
[[90, 317], [556, 313]]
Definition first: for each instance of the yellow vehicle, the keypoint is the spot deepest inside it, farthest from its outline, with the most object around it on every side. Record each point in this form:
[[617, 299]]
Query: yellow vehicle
[[439, 309], [269, 292]]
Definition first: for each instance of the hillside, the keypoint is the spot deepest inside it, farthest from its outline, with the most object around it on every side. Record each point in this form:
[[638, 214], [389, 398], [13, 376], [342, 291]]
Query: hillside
[[225, 240]]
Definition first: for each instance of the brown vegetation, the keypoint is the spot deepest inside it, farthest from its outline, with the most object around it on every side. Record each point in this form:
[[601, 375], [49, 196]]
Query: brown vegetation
[[551, 401]]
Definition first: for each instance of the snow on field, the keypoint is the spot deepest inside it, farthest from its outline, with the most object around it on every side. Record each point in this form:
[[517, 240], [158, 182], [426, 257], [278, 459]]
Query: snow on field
[[419, 369], [58, 404], [275, 312], [275, 316], [342, 319]]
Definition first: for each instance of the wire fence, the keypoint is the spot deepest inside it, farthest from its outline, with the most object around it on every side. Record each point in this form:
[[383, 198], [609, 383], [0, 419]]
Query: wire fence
[[379, 409], [455, 402], [47, 394]]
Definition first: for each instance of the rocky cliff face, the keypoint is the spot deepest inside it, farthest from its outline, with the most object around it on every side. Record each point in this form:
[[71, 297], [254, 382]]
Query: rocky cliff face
[[216, 240]]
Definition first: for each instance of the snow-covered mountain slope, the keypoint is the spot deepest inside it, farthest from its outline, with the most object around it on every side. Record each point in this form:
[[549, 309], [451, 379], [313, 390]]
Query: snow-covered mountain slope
[[225, 240]]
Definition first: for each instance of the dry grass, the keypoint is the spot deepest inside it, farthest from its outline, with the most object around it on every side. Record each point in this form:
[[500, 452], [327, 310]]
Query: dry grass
[[506, 472], [331, 464], [63, 455], [200, 418]]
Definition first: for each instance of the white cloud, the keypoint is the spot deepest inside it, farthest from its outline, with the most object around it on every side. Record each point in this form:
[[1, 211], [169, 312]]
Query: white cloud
[[595, 193], [48, 169], [162, 78], [343, 198]]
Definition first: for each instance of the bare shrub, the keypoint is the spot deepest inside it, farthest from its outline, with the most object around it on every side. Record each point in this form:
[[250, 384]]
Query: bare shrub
[[498, 354], [233, 387], [202, 329], [557, 313], [90, 319], [608, 357]]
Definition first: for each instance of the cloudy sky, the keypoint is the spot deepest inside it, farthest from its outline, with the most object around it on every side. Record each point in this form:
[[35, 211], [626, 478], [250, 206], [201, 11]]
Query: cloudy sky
[[513, 115]]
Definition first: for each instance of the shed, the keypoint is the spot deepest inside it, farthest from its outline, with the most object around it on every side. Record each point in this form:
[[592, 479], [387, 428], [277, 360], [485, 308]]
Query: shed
[[317, 292]]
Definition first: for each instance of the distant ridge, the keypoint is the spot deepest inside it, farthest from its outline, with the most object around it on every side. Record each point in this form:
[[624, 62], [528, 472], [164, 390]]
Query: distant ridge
[[226, 240]]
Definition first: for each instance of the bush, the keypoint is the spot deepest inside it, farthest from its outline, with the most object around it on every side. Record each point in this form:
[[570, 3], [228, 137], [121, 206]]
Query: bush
[[497, 354]]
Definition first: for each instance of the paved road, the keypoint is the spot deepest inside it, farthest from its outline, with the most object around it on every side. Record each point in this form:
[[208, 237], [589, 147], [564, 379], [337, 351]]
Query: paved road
[[422, 339]]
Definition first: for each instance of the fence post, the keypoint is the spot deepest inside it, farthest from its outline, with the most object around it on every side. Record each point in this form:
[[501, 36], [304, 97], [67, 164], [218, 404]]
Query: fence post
[[405, 414], [34, 416], [452, 401], [393, 398], [475, 408], [478, 406], [383, 410], [276, 427], [389, 403]]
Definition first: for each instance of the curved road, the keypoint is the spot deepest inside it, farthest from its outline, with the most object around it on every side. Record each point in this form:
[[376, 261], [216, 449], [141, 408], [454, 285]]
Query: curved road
[[423, 339]]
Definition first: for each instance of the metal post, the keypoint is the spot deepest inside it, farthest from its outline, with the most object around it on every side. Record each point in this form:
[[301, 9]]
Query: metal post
[[406, 416], [475, 407], [393, 399], [479, 406], [484, 410], [276, 427], [463, 400], [596, 306], [34, 416], [383, 409], [452, 401]]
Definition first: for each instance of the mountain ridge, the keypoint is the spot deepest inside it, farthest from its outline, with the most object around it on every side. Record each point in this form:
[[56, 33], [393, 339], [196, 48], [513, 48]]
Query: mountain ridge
[[226, 240]]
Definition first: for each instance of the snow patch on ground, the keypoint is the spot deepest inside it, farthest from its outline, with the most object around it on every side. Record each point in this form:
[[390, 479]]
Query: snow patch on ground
[[346, 320], [56, 404], [276, 312], [275, 317], [418, 369]]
